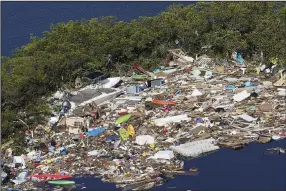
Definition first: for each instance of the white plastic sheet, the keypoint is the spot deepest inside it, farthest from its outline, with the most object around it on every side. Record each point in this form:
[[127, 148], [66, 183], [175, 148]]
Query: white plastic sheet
[[281, 92], [276, 137], [245, 117], [171, 119], [21, 178], [196, 92], [195, 148], [96, 153], [93, 153], [241, 96], [19, 159], [3, 174], [53, 120], [167, 155], [144, 139], [109, 82]]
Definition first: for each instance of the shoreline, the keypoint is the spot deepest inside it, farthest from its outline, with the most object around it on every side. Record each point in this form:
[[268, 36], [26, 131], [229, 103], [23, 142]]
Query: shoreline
[[174, 184]]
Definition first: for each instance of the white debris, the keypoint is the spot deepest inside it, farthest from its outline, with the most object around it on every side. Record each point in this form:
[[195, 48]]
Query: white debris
[[281, 92], [195, 148], [245, 117], [171, 119], [144, 139], [109, 82], [276, 137], [19, 160], [96, 153], [54, 120], [59, 95], [21, 178], [196, 92], [231, 80], [241, 96], [167, 155], [103, 97]]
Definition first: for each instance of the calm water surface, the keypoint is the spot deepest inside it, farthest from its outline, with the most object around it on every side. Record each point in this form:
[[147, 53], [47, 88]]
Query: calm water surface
[[20, 19], [226, 169]]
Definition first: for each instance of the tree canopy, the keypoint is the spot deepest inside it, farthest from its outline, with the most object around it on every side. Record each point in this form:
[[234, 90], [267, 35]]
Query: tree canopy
[[71, 49]]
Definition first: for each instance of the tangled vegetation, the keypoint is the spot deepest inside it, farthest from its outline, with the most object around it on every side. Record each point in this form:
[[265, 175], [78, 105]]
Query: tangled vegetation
[[74, 48]]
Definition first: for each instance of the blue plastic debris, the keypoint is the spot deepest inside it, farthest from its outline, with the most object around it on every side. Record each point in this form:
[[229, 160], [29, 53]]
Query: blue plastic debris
[[199, 120], [95, 132], [112, 138], [230, 87], [64, 151], [178, 91], [249, 85], [157, 70], [239, 58]]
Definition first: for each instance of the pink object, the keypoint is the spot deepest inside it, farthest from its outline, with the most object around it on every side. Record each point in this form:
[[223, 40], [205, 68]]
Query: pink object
[[164, 131], [46, 177]]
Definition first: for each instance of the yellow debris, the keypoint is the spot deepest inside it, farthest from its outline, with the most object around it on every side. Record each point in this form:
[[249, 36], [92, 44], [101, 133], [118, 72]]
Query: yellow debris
[[131, 130], [123, 134]]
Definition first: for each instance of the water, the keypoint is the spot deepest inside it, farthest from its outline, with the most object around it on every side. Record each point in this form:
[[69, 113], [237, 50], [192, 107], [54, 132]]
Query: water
[[20, 19], [226, 169]]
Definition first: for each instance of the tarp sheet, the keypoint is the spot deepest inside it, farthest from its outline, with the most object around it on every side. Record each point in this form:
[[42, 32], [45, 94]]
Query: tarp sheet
[[112, 138], [95, 132], [163, 155], [144, 139], [241, 96]]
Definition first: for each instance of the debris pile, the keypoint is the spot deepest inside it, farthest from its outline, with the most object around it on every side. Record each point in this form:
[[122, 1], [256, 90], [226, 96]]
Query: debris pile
[[135, 134]]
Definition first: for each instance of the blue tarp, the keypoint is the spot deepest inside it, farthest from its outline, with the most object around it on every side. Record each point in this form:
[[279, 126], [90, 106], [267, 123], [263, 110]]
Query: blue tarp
[[143, 86], [246, 85], [239, 58], [95, 132], [249, 85], [199, 120], [64, 151], [157, 70], [112, 138]]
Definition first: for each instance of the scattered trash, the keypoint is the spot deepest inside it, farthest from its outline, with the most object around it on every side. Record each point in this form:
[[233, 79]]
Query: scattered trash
[[276, 151], [134, 135]]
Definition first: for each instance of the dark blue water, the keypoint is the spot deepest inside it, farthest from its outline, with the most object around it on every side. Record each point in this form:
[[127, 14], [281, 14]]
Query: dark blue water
[[20, 19], [226, 169]]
